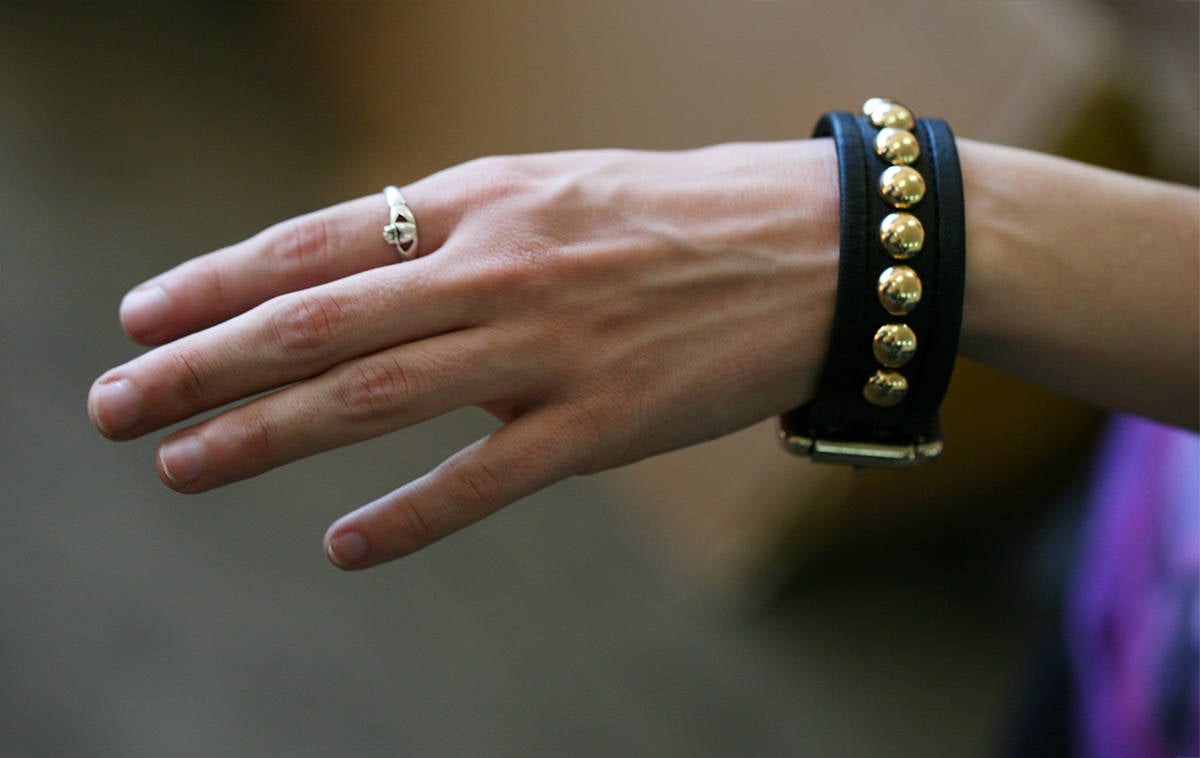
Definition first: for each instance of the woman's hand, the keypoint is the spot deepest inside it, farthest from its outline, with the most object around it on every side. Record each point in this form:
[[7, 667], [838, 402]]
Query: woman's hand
[[605, 306]]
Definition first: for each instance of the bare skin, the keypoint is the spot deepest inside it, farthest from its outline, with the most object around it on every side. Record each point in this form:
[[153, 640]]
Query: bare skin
[[1083, 280], [607, 306]]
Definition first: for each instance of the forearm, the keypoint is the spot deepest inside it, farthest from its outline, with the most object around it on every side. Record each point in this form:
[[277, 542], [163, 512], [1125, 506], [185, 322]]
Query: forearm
[[1083, 280]]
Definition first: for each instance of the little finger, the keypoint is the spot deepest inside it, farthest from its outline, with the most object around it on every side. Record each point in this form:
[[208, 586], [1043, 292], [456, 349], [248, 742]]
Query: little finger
[[518, 459]]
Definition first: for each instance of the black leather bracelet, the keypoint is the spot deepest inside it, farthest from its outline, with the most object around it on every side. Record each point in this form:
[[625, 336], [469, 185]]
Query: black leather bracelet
[[900, 290]]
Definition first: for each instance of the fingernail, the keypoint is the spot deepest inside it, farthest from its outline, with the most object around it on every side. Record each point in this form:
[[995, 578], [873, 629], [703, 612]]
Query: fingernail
[[183, 460], [115, 406], [347, 549], [143, 310]]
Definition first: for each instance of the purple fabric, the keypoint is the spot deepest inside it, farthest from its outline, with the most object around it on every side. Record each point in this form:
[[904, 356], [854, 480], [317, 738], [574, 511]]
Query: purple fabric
[[1132, 617]]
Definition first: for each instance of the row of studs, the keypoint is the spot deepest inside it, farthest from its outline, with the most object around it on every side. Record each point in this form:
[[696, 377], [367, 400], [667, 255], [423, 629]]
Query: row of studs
[[902, 236]]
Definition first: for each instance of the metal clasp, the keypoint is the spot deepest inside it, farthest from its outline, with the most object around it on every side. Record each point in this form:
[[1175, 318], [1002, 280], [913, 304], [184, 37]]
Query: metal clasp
[[926, 447]]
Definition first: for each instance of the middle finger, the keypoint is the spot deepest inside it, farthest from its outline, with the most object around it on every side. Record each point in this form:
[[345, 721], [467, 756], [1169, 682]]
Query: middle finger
[[352, 402], [286, 339]]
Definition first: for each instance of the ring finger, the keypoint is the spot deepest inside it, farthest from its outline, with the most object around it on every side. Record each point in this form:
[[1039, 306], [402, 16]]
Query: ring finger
[[355, 401]]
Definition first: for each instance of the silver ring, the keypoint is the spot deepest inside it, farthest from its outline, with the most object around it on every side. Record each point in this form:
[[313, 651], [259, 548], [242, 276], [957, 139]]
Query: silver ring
[[401, 229]]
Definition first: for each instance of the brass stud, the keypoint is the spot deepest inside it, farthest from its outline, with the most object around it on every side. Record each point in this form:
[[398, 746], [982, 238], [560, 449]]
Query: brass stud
[[902, 235], [897, 146], [899, 290], [901, 186], [894, 345], [892, 115], [885, 389], [875, 102]]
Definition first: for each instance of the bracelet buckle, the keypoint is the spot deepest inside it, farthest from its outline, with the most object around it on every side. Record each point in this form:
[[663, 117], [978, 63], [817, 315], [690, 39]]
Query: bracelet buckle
[[925, 447]]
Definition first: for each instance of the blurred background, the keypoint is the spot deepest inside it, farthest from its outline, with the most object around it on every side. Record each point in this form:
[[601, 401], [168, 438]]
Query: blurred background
[[722, 600]]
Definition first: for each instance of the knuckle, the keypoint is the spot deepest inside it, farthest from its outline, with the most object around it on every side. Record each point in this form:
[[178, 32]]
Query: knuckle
[[413, 530], [600, 434], [511, 274], [212, 278], [492, 169], [489, 282], [190, 374], [494, 178], [372, 389], [307, 323], [301, 242], [256, 434], [478, 482]]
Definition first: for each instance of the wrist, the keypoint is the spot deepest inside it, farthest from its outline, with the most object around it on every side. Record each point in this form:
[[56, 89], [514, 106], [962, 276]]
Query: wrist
[[777, 212], [1082, 280], [899, 296], [996, 225]]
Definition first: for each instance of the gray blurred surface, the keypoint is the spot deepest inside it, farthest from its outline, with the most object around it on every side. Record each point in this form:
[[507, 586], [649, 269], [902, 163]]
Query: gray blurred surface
[[135, 621]]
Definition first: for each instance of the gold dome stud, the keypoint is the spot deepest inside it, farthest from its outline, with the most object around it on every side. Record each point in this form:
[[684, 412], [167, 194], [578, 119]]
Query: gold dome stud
[[897, 146], [901, 186], [875, 102], [902, 235], [894, 345], [899, 290], [892, 115], [885, 389]]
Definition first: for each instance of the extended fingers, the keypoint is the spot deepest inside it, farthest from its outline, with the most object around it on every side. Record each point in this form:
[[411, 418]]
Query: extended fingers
[[355, 401], [287, 339], [295, 254], [304, 252], [522, 457]]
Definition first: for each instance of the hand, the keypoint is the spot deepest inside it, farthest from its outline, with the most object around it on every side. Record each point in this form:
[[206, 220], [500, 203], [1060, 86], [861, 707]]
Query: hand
[[605, 306]]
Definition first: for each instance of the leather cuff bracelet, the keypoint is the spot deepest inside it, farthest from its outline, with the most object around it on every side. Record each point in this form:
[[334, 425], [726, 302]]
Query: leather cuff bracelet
[[899, 295]]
